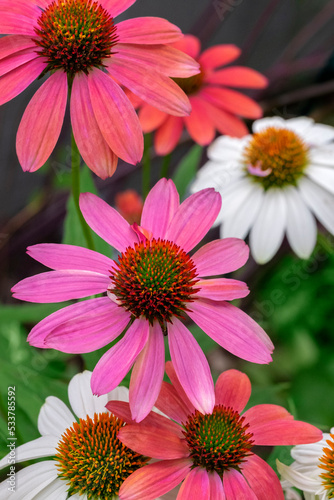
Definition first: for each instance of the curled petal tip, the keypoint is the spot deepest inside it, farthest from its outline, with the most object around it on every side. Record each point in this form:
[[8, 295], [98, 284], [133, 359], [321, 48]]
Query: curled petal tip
[[257, 170]]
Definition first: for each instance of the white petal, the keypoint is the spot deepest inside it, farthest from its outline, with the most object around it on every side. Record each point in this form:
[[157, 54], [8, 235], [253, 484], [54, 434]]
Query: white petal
[[320, 201], [268, 230], [44, 446], [263, 123], [322, 156], [319, 134], [298, 480], [57, 490], [238, 224], [30, 481], [324, 176], [234, 195], [225, 148], [301, 227], [54, 417], [119, 394], [217, 175], [80, 395]]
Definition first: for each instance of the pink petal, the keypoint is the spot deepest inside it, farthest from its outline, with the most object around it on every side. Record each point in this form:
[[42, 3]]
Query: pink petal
[[189, 44], [195, 485], [57, 286], [26, 8], [163, 59], [159, 208], [262, 479], [92, 146], [218, 55], [148, 30], [15, 60], [160, 444], [14, 43], [153, 480], [122, 410], [107, 222], [168, 135], [147, 374], [42, 122], [150, 118], [171, 373], [236, 487], [225, 122], [233, 388], [13, 23], [221, 257], [151, 86], [234, 330], [194, 218], [199, 124], [191, 367], [232, 101], [170, 403], [221, 289], [14, 82], [216, 487], [90, 315], [116, 7], [238, 76], [58, 257], [116, 117], [115, 363]]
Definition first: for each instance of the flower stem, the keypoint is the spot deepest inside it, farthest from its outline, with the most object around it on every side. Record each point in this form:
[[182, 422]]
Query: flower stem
[[165, 166], [75, 160], [146, 173]]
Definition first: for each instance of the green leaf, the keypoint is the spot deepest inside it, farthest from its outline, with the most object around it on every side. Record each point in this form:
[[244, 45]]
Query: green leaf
[[186, 169], [31, 313]]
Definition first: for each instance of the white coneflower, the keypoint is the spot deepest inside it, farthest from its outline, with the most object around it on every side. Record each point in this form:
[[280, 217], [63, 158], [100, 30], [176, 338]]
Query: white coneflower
[[273, 182]]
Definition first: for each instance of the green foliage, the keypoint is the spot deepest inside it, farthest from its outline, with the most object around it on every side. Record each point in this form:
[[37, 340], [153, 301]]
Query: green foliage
[[186, 170]]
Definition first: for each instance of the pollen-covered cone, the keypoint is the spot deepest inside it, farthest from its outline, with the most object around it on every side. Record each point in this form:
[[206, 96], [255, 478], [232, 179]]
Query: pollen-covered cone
[[148, 291], [78, 43]]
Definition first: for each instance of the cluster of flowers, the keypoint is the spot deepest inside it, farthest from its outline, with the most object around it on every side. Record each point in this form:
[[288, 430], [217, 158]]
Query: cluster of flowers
[[143, 442]]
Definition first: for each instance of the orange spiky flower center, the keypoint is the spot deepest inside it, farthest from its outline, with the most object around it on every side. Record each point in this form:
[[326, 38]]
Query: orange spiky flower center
[[278, 153], [219, 441], [75, 35], [93, 460], [327, 464], [155, 279]]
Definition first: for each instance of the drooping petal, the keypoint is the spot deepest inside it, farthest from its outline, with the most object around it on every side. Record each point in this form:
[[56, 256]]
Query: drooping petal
[[115, 363], [189, 44], [57, 286], [148, 30], [58, 256], [116, 7], [15, 43], [44, 446], [216, 486], [54, 417], [147, 374], [221, 289], [320, 201], [219, 55], [262, 479], [26, 8], [15, 60], [194, 218], [154, 480], [220, 257], [191, 367], [301, 481], [170, 371], [232, 101], [17, 80], [151, 86], [41, 123], [199, 124], [168, 135], [322, 175], [267, 232], [56, 490], [32, 479], [150, 118], [14, 23], [225, 121], [236, 486], [116, 117], [159, 208], [238, 76], [161, 444], [195, 485], [82, 401], [107, 222], [234, 330], [233, 388], [170, 403], [92, 146]]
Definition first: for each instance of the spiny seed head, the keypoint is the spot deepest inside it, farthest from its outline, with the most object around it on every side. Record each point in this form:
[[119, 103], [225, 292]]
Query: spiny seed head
[[75, 35], [92, 459], [218, 441], [327, 464], [280, 152], [155, 279], [191, 85]]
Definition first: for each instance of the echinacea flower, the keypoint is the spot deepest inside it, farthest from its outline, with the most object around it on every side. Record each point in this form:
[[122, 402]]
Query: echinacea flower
[[215, 106], [74, 447], [273, 183], [130, 205], [212, 453], [150, 287], [313, 469], [78, 42]]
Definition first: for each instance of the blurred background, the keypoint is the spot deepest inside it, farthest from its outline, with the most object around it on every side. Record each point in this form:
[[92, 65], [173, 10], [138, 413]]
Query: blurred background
[[291, 42]]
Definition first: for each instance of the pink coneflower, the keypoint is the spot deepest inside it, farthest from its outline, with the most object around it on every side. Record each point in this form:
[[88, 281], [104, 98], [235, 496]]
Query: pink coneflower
[[212, 452], [150, 287], [78, 42], [215, 106]]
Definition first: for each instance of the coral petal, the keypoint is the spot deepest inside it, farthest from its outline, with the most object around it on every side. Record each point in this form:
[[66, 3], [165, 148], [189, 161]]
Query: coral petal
[[233, 388], [17, 80]]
